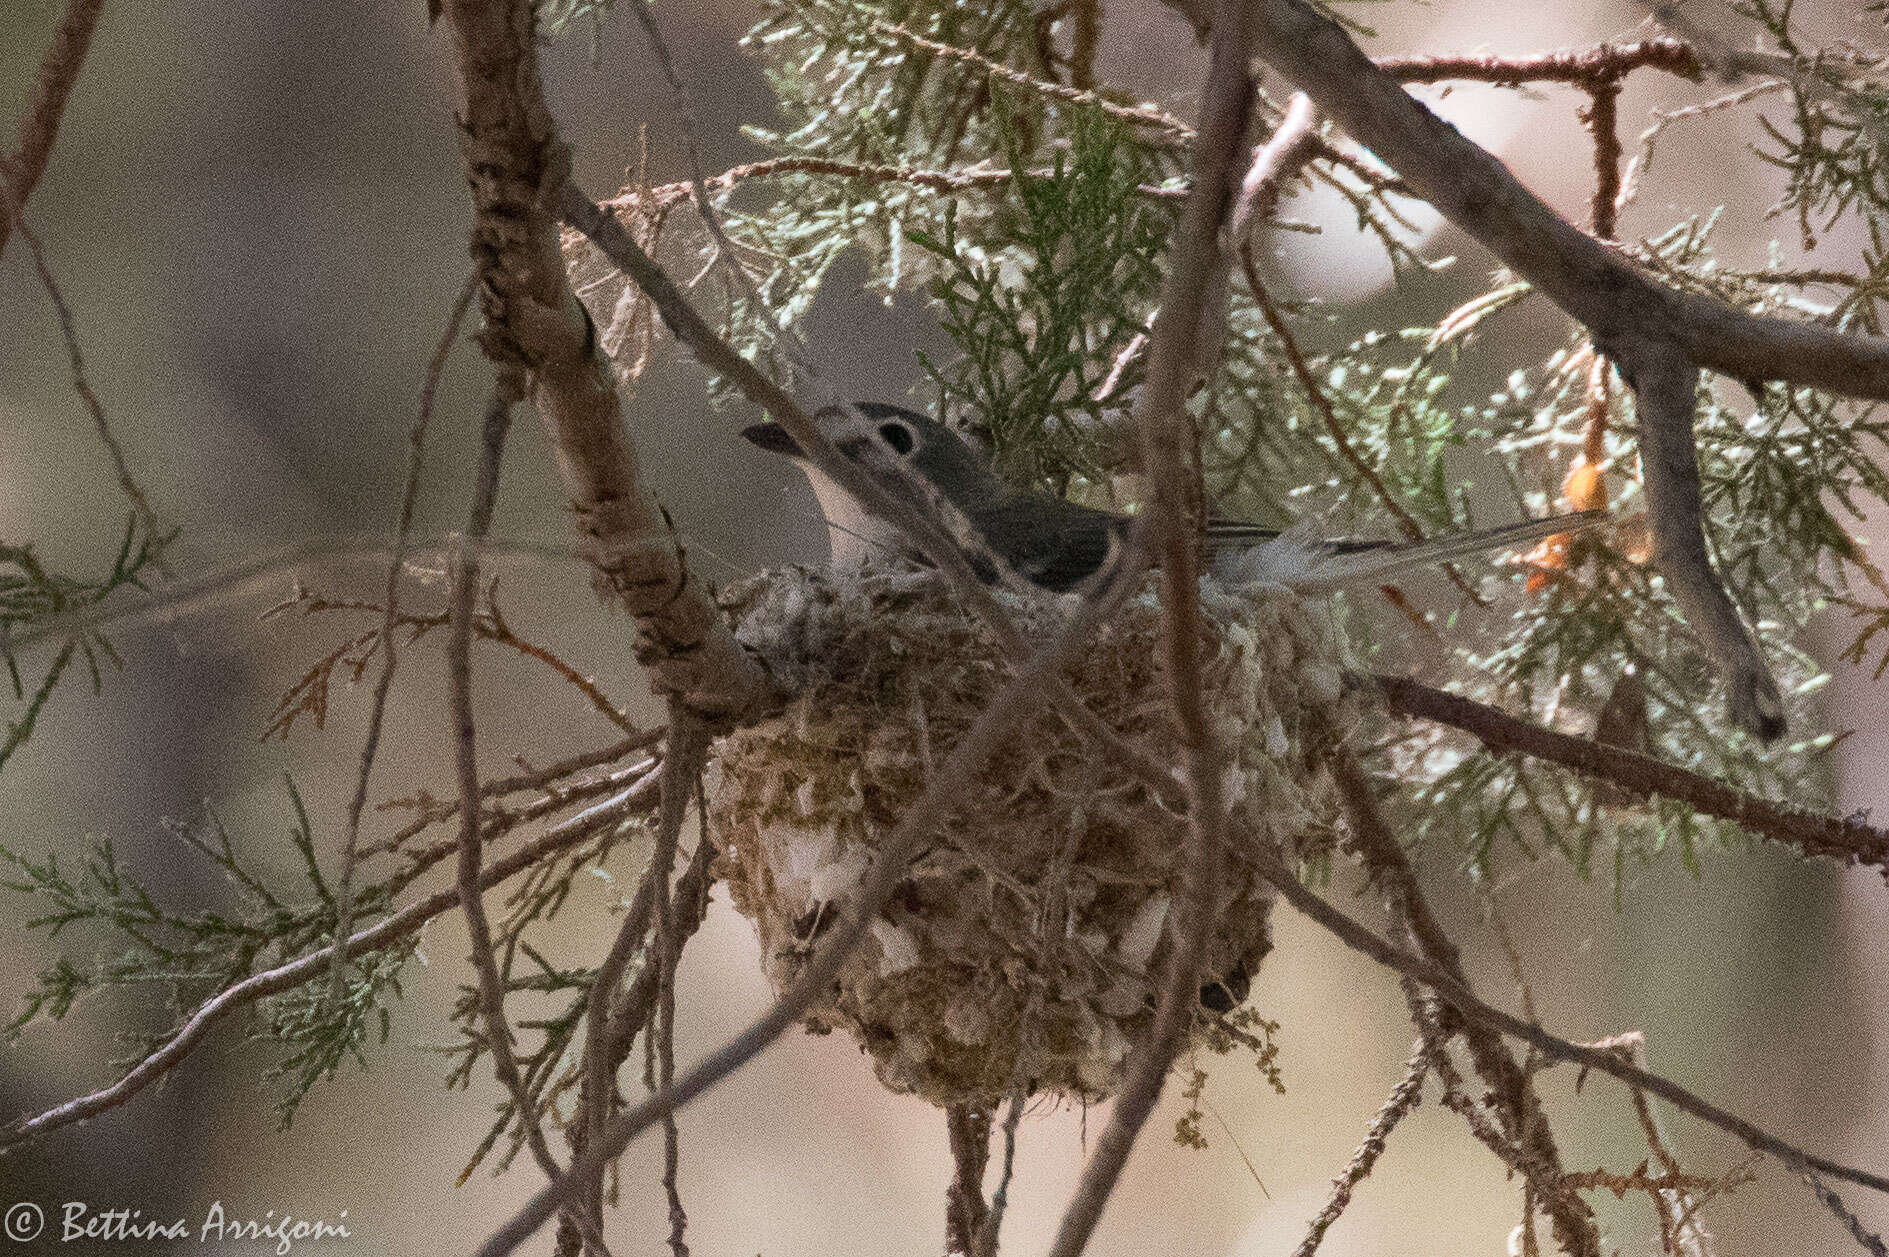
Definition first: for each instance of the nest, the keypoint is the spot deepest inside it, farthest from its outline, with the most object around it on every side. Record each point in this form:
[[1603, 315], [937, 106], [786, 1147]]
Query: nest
[[1024, 946]]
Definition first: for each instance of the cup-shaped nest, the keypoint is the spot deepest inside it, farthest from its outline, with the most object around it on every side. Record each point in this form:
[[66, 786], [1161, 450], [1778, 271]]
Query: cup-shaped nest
[[1024, 945]]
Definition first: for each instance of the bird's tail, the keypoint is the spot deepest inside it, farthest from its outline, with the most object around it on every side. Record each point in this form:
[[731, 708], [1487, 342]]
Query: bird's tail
[[1301, 562]]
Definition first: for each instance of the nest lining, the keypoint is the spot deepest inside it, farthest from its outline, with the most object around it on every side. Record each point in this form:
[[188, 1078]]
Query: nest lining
[[1024, 944]]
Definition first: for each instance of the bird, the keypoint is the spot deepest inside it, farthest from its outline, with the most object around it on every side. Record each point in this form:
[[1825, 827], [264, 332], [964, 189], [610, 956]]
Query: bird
[[1057, 545]]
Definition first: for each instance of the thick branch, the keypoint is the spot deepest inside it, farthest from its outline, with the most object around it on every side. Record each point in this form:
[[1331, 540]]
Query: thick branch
[[967, 1213], [516, 170], [1657, 336], [1594, 284], [1667, 385], [58, 71], [1845, 839]]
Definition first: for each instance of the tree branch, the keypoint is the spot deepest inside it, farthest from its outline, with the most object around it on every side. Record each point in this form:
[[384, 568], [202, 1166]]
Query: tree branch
[[1182, 342], [1846, 839], [517, 171], [1511, 1091], [967, 1213], [1405, 1096], [58, 71], [389, 654]]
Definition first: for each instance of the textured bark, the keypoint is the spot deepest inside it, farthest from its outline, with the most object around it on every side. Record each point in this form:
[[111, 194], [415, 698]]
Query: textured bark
[[538, 333]]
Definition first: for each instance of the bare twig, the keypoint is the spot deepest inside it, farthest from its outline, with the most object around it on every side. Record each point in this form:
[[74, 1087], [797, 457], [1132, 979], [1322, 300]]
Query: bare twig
[[1846, 839], [1275, 163], [39, 127], [437, 811], [185, 595], [1360, 938], [383, 684], [1524, 1127], [1584, 68], [606, 1028], [1871, 1242], [687, 759], [127, 483], [633, 801], [1649, 138], [1000, 1199], [1193, 301], [465, 592], [309, 694], [1405, 1096], [1676, 1205]]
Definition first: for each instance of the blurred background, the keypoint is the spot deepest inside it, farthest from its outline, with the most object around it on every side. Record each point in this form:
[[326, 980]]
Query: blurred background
[[258, 216]]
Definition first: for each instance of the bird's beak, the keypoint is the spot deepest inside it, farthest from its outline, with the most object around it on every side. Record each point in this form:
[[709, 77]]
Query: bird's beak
[[773, 438]]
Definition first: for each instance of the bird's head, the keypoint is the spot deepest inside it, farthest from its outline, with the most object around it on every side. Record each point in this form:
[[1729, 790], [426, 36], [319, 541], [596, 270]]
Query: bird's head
[[931, 451]]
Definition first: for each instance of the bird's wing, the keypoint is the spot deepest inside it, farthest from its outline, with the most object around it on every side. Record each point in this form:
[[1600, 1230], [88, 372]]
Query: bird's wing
[[1307, 565]]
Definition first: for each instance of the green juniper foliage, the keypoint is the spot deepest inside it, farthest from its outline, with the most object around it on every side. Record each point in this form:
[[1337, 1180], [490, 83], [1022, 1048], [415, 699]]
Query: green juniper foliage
[[31, 595], [193, 953]]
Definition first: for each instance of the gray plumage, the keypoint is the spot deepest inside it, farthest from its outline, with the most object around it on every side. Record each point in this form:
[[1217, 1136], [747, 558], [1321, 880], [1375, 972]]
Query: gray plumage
[[1058, 545]]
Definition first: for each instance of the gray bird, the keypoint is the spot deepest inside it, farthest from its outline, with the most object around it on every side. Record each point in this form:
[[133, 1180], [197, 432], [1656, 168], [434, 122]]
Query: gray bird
[[1057, 545]]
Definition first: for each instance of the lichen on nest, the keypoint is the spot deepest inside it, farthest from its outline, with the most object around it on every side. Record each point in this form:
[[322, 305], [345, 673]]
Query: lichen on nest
[[1024, 944]]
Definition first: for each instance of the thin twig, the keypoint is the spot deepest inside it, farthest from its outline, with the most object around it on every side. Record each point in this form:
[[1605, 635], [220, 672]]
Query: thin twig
[[68, 331], [186, 595], [1360, 938], [437, 811], [1525, 1127], [1000, 1199], [465, 592], [1193, 302], [1405, 1096], [1583, 68], [383, 684], [1643, 160], [1846, 839], [597, 1093]]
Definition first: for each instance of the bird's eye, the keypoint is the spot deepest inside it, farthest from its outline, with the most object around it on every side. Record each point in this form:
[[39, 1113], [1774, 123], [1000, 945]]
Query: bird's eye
[[899, 436]]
